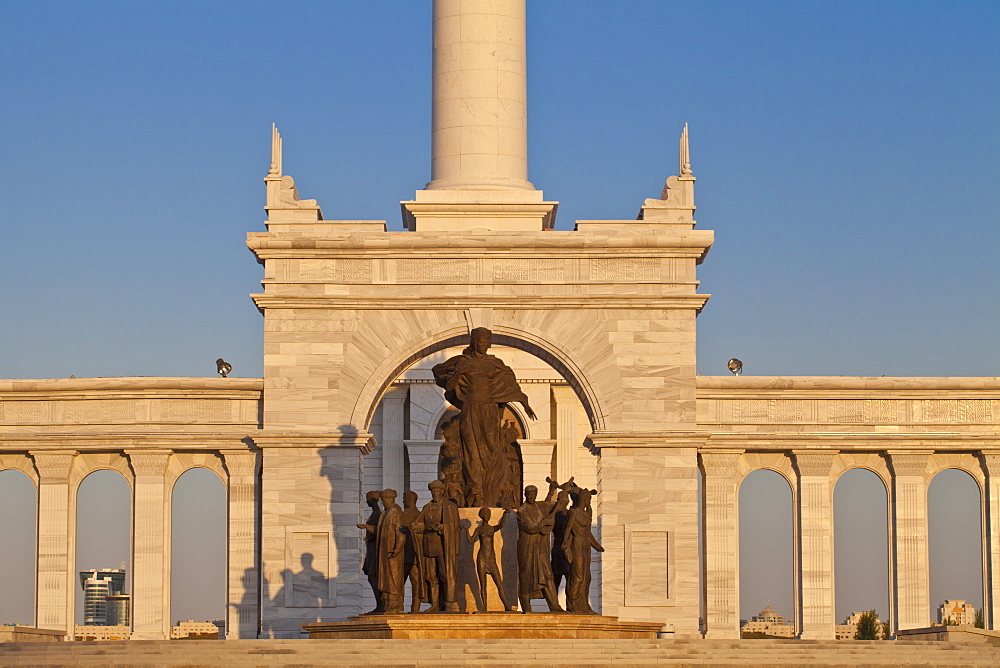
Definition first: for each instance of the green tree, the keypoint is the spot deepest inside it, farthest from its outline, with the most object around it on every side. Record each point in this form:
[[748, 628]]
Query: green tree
[[868, 627], [948, 621], [885, 630], [980, 619]]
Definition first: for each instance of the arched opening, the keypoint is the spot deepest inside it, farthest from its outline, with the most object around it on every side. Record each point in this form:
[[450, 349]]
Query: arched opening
[[561, 414], [766, 555], [861, 545], [198, 548], [453, 342], [955, 545], [103, 550], [19, 503], [409, 419]]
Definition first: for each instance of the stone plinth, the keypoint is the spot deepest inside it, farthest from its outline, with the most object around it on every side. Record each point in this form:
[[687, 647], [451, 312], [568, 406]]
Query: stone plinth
[[30, 634], [962, 633], [483, 625]]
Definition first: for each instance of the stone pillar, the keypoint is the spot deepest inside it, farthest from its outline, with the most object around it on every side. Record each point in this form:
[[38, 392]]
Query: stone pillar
[[310, 544], [392, 439], [815, 534], [648, 486], [720, 552], [991, 466], [54, 601], [150, 561], [423, 467], [566, 421], [908, 542], [480, 134], [243, 575]]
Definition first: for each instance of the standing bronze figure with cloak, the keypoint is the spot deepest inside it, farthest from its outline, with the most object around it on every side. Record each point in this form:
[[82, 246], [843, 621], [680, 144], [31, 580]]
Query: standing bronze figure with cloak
[[480, 385]]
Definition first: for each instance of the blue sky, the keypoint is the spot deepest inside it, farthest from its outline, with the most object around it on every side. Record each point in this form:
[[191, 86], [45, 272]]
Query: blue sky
[[847, 157]]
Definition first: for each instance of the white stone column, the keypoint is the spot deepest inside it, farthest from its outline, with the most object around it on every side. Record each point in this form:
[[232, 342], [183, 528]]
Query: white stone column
[[480, 134], [243, 574], [566, 414], [56, 545], [815, 606], [423, 466], [991, 466], [393, 456], [720, 551], [150, 561], [911, 582]]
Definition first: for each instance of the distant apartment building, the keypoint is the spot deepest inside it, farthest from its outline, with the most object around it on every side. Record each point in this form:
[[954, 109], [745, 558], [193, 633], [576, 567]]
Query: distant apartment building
[[956, 612], [770, 623], [193, 629], [97, 586], [847, 630], [102, 632]]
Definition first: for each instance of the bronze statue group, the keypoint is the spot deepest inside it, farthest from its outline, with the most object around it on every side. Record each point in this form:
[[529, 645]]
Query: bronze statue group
[[480, 467], [554, 540]]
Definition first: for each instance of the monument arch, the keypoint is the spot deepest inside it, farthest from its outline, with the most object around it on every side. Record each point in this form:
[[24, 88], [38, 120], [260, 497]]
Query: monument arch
[[530, 340]]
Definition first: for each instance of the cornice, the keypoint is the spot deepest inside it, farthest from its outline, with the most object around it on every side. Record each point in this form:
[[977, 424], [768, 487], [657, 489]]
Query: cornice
[[132, 388], [84, 442], [437, 245], [270, 439], [695, 301], [807, 387], [693, 438], [805, 441]]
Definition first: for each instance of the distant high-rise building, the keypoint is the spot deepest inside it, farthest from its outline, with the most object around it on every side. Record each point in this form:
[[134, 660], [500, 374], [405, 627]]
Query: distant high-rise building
[[119, 610], [97, 586]]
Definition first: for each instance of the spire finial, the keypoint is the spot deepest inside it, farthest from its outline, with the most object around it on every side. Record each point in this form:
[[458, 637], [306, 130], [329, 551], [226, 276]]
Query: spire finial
[[685, 155], [275, 169]]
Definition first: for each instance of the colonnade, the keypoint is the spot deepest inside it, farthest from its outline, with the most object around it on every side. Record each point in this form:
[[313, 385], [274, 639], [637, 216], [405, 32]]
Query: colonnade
[[151, 473], [812, 474]]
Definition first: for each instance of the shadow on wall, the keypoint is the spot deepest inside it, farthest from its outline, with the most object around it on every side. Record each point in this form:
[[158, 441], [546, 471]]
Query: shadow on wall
[[320, 571], [246, 609], [306, 592], [307, 588]]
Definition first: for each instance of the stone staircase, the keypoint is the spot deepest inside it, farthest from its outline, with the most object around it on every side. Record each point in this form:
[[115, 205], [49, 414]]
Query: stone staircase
[[302, 653]]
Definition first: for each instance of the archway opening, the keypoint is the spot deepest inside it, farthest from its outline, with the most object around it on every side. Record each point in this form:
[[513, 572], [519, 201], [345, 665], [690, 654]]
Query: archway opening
[[409, 435], [19, 501], [766, 555], [861, 545], [198, 549], [453, 343], [955, 545], [408, 423], [103, 550]]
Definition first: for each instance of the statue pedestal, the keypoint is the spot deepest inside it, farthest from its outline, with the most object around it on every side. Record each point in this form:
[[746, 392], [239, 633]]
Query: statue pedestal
[[505, 547], [440, 626]]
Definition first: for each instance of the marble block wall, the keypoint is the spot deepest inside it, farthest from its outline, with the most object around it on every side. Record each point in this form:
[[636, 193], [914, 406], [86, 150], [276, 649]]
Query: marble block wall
[[310, 548], [649, 529]]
